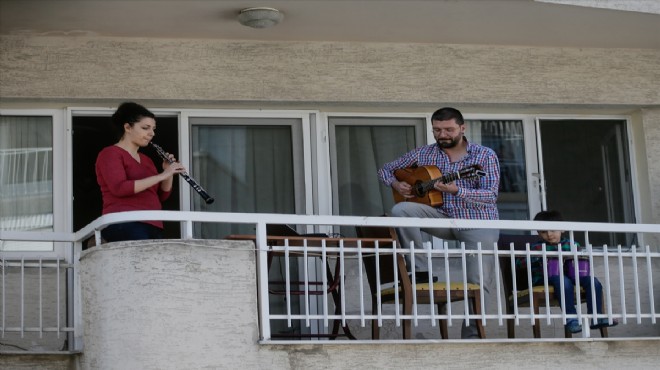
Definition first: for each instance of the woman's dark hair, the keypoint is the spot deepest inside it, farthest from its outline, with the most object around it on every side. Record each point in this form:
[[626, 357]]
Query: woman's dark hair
[[548, 216], [447, 113], [130, 113]]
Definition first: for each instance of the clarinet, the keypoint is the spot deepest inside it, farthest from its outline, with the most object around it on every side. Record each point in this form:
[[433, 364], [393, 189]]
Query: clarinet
[[198, 188]]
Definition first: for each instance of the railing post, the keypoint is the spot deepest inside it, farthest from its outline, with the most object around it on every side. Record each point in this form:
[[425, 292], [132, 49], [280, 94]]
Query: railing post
[[262, 280], [75, 299]]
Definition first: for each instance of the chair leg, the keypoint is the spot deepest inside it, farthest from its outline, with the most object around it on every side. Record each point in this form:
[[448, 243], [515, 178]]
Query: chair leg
[[407, 324], [537, 328], [375, 329], [444, 332], [407, 329], [476, 308], [537, 323], [603, 333], [510, 324], [511, 328]]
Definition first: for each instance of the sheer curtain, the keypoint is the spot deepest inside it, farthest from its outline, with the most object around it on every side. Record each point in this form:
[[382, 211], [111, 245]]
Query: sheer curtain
[[247, 168], [361, 151], [359, 147], [26, 178]]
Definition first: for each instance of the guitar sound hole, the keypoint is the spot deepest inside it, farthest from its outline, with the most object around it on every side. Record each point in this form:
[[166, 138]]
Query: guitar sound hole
[[419, 190]]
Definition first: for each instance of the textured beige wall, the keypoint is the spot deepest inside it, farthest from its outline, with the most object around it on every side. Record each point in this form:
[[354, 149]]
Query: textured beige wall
[[169, 304], [207, 70], [651, 119]]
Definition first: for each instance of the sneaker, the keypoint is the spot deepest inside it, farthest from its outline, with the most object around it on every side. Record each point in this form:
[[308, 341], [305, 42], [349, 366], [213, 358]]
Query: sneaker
[[604, 323], [573, 326]]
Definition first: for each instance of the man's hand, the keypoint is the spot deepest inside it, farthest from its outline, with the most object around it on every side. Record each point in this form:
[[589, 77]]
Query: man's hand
[[450, 188], [403, 188]]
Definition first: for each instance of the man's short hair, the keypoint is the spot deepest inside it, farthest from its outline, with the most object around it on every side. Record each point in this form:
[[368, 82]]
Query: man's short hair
[[446, 114]]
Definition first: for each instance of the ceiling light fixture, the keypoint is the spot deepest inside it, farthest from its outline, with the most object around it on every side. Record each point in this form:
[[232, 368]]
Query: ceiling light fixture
[[260, 17]]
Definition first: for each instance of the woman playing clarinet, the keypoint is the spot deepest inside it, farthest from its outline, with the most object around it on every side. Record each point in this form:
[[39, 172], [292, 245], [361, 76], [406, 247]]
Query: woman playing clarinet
[[129, 179]]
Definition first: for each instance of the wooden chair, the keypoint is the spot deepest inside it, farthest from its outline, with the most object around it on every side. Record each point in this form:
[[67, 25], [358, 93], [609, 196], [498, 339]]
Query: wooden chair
[[406, 290], [522, 290]]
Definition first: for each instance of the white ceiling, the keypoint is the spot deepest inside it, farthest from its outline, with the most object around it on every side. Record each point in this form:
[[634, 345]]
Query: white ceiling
[[489, 22]]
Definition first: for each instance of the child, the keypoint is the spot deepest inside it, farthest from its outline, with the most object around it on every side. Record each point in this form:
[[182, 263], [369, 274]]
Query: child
[[552, 240]]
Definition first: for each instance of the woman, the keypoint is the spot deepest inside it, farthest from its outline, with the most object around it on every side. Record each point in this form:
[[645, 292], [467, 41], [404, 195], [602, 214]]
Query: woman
[[128, 179]]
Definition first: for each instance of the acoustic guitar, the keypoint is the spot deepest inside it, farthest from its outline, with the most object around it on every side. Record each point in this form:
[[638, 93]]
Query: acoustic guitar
[[422, 179]]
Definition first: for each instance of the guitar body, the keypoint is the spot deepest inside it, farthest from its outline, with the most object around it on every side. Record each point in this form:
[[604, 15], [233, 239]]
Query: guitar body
[[416, 176]]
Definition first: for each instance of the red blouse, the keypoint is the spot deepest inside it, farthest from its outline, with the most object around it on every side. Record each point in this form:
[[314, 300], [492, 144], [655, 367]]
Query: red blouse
[[116, 173]]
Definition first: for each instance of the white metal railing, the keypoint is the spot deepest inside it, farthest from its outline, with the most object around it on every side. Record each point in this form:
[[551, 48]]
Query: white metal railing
[[633, 276]]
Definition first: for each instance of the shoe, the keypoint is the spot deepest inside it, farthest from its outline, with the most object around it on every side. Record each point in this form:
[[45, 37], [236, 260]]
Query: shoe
[[604, 323], [573, 326]]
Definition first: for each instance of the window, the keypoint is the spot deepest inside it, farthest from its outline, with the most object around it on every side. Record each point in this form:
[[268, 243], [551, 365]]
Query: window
[[26, 178], [249, 164], [506, 138], [359, 147]]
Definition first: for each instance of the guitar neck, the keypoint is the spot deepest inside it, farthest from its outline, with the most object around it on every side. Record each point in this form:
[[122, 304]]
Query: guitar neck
[[446, 178]]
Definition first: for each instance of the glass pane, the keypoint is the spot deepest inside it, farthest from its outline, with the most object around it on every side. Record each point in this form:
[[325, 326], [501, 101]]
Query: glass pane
[[247, 168], [362, 145], [26, 179], [361, 151], [507, 140]]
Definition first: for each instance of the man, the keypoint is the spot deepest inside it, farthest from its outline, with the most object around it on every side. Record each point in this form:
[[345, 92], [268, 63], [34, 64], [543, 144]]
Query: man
[[466, 198]]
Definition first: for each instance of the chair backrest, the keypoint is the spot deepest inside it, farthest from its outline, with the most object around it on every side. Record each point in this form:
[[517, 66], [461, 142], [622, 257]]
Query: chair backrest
[[280, 230], [519, 243], [385, 261]]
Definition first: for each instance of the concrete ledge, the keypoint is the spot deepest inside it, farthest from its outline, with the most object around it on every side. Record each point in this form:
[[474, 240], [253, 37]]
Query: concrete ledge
[[11, 360]]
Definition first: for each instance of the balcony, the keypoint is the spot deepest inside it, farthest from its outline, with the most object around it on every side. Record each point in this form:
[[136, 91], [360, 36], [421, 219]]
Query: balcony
[[203, 300]]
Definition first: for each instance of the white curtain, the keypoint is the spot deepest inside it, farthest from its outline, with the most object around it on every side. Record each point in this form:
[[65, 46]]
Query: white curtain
[[247, 168], [26, 177], [361, 151]]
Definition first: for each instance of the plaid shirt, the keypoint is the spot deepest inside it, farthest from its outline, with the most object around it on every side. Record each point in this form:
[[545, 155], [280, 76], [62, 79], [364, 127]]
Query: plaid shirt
[[476, 197]]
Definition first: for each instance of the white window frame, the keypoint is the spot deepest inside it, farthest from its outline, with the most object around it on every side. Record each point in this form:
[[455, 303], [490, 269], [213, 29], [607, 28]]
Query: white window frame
[[329, 167], [303, 154], [61, 211], [637, 209]]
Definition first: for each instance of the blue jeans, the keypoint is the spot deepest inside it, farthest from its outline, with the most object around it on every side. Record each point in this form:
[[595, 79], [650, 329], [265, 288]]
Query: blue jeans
[[131, 231], [569, 290]]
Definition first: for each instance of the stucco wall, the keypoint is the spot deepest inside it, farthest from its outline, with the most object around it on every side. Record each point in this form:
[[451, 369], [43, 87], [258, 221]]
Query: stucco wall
[[192, 305], [210, 70], [651, 119]]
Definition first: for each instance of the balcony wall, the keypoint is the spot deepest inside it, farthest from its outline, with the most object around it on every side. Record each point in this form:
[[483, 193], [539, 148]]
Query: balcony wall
[[192, 304]]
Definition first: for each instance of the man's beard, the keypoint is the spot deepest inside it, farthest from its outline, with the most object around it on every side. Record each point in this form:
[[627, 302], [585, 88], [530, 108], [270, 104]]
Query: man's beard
[[449, 144]]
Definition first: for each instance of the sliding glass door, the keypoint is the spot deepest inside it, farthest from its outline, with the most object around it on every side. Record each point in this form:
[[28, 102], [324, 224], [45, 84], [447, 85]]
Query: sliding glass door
[[586, 174], [249, 164]]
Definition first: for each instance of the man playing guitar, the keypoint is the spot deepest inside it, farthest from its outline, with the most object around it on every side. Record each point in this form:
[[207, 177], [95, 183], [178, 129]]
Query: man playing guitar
[[473, 197]]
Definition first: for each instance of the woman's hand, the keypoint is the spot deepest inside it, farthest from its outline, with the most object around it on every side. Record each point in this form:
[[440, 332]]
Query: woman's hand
[[172, 167]]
